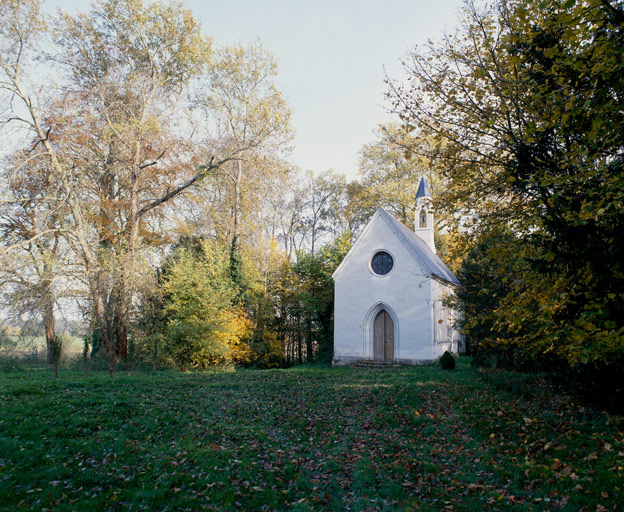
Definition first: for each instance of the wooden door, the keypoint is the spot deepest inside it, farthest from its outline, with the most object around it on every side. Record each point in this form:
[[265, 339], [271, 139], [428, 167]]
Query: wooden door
[[383, 336]]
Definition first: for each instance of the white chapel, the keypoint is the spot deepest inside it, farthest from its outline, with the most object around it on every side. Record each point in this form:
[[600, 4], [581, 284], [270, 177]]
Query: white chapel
[[390, 290]]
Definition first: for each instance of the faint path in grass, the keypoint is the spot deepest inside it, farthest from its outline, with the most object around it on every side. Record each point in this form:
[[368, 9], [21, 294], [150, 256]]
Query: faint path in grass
[[303, 439]]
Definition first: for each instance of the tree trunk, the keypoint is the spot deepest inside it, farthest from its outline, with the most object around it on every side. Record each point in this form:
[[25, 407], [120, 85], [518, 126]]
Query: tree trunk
[[120, 296], [49, 323], [85, 356], [47, 292], [235, 259], [308, 333], [102, 324], [121, 329], [299, 342], [238, 176]]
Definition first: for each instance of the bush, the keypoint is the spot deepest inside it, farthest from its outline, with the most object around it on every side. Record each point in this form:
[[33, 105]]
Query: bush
[[481, 360], [7, 343], [447, 361], [198, 300], [10, 364]]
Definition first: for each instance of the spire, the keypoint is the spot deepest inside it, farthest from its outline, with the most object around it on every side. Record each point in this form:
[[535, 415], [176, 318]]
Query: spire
[[423, 214], [423, 189]]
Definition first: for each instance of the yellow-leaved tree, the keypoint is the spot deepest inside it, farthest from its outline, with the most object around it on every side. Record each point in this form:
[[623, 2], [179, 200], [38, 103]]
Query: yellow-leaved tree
[[203, 324]]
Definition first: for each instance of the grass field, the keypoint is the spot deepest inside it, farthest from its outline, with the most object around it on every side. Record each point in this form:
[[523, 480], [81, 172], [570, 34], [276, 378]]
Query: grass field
[[309, 438]]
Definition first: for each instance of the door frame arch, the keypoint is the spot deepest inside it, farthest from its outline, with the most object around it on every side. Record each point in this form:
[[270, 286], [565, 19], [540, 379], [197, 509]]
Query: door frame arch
[[369, 327]]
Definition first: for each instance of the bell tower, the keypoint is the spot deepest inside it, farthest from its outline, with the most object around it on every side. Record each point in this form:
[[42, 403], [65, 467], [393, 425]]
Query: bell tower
[[423, 216]]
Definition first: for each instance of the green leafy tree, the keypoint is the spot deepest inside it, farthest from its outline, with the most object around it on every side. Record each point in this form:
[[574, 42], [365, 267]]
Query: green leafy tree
[[248, 117], [389, 173], [197, 291], [522, 105], [487, 275], [306, 303]]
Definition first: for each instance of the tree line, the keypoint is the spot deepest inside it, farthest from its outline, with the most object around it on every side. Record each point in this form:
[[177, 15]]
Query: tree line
[[146, 187], [149, 185]]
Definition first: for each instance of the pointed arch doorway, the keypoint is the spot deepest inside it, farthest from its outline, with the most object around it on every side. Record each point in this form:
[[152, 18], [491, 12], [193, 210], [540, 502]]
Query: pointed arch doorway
[[383, 336]]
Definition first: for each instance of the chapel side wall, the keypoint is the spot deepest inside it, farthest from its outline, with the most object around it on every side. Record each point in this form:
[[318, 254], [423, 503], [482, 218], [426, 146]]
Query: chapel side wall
[[417, 334], [447, 337]]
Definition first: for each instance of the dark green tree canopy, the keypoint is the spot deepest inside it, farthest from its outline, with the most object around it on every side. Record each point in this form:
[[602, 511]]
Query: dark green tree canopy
[[524, 106]]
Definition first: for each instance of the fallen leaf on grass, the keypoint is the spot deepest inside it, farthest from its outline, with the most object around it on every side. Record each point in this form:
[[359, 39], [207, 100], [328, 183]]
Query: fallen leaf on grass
[[472, 487]]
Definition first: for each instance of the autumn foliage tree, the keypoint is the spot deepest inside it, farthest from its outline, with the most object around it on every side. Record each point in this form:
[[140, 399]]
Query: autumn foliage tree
[[32, 222], [247, 115], [389, 173], [32, 209], [129, 65], [390, 169], [105, 138]]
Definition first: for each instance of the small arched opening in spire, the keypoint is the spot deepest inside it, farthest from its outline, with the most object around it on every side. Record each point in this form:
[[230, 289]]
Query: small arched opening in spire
[[422, 221]]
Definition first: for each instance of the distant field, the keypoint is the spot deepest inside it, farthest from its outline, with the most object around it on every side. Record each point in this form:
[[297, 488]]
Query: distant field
[[304, 439], [36, 345]]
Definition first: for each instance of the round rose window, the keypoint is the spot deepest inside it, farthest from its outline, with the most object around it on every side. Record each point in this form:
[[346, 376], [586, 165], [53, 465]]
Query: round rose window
[[382, 263]]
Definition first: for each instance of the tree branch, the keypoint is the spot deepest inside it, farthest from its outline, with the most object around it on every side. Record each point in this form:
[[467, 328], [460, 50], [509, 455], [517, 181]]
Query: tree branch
[[203, 170], [617, 14], [155, 160], [6, 250], [47, 135]]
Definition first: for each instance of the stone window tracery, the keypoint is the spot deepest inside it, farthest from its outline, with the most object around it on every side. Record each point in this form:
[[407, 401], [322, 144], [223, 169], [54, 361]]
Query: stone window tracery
[[382, 263]]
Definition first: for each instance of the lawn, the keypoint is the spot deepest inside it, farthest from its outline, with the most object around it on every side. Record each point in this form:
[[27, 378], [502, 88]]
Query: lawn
[[309, 438]]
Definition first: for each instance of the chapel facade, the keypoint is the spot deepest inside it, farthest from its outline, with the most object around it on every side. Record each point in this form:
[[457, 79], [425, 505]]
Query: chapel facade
[[390, 292]]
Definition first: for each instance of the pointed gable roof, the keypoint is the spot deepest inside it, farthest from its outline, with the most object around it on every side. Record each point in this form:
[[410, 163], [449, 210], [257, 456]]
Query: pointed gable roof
[[423, 189], [432, 265]]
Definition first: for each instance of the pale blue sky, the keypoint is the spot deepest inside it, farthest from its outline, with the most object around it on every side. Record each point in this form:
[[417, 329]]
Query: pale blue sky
[[331, 57]]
